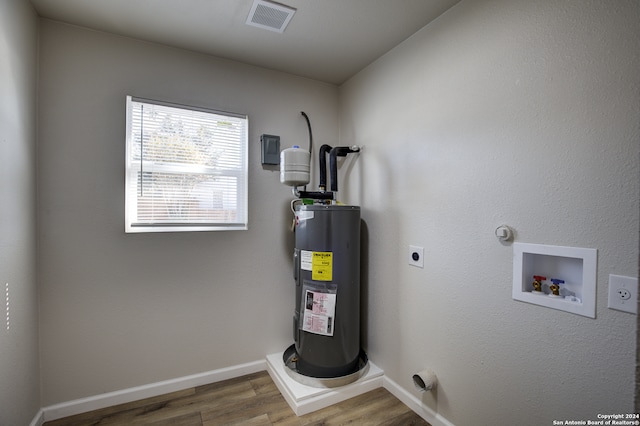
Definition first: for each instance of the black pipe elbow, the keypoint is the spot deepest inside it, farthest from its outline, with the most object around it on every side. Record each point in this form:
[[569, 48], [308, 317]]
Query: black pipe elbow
[[339, 151], [324, 150]]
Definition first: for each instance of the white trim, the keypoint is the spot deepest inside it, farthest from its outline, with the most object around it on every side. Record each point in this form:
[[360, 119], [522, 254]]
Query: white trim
[[433, 418], [109, 399], [38, 420], [305, 399]]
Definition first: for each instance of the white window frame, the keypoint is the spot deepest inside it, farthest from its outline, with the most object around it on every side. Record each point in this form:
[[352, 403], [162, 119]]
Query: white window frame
[[133, 166]]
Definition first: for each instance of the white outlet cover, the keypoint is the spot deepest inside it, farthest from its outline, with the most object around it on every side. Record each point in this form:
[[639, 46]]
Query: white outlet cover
[[623, 293], [419, 251]]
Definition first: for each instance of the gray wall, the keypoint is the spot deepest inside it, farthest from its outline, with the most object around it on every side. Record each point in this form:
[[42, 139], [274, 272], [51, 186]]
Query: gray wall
[[517, 112], [19, 369], [121, 310]]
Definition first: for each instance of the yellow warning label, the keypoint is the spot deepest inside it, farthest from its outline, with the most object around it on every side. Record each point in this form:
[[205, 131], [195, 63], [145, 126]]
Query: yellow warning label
[[322, 266]]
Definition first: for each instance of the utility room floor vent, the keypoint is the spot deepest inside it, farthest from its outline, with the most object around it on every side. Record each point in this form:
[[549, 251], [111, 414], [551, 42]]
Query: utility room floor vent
[[269, 15]]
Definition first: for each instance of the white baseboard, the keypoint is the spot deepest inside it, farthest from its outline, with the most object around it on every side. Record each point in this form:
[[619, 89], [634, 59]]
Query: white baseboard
[[78, 406], [109, 399], [38, 420], [415, 404]]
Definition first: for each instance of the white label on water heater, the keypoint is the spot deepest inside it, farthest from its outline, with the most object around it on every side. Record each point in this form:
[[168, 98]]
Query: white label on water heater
[[306, 260], [304, 215], [319, 313]]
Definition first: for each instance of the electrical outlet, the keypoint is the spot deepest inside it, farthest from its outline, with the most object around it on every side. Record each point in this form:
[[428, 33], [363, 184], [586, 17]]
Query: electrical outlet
[[623, 293], [416, 256]]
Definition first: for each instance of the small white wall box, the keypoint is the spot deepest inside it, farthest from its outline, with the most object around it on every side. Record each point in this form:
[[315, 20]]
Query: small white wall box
[[575, 266]]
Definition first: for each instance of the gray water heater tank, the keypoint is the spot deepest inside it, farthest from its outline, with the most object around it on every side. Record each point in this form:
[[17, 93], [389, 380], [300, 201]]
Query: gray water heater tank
[[327, 277]]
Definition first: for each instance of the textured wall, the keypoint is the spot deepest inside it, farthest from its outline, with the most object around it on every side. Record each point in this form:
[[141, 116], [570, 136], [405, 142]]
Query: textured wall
[[19, 369], [123, 310], [516, 112]]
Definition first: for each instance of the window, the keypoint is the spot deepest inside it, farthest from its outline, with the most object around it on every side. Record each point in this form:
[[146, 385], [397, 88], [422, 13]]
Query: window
[[186, 168]]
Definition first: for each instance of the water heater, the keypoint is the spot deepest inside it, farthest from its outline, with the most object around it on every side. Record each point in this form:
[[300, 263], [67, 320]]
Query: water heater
[[326, 318], [326, 321]]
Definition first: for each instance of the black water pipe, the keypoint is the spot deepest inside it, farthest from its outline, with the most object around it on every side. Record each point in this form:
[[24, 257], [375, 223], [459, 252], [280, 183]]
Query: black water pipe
[[306, 117], [315, 195], [339, 151], [324, 150]]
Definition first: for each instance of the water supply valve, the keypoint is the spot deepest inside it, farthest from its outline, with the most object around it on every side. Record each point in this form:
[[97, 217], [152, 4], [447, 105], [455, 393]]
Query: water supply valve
[[555, 287], [537, 283]]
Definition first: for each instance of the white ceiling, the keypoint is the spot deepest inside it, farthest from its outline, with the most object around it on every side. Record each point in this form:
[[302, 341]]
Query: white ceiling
[[327, 40]]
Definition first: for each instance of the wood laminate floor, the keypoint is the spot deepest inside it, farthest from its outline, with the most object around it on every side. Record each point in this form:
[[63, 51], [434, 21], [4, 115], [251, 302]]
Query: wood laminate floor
[[249, 400]]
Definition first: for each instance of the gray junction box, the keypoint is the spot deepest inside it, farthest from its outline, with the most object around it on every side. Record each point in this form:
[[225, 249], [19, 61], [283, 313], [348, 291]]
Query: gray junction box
[[326, 322]]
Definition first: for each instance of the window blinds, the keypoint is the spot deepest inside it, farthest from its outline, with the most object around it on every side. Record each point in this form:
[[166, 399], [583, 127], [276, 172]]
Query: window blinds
[[186, 168]]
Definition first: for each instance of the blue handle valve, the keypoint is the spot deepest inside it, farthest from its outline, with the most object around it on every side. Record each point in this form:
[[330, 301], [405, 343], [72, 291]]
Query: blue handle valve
[[555, 287]]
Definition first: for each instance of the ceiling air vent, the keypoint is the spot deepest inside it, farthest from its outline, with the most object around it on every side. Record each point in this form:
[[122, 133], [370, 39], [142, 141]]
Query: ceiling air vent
[[269, 15]]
